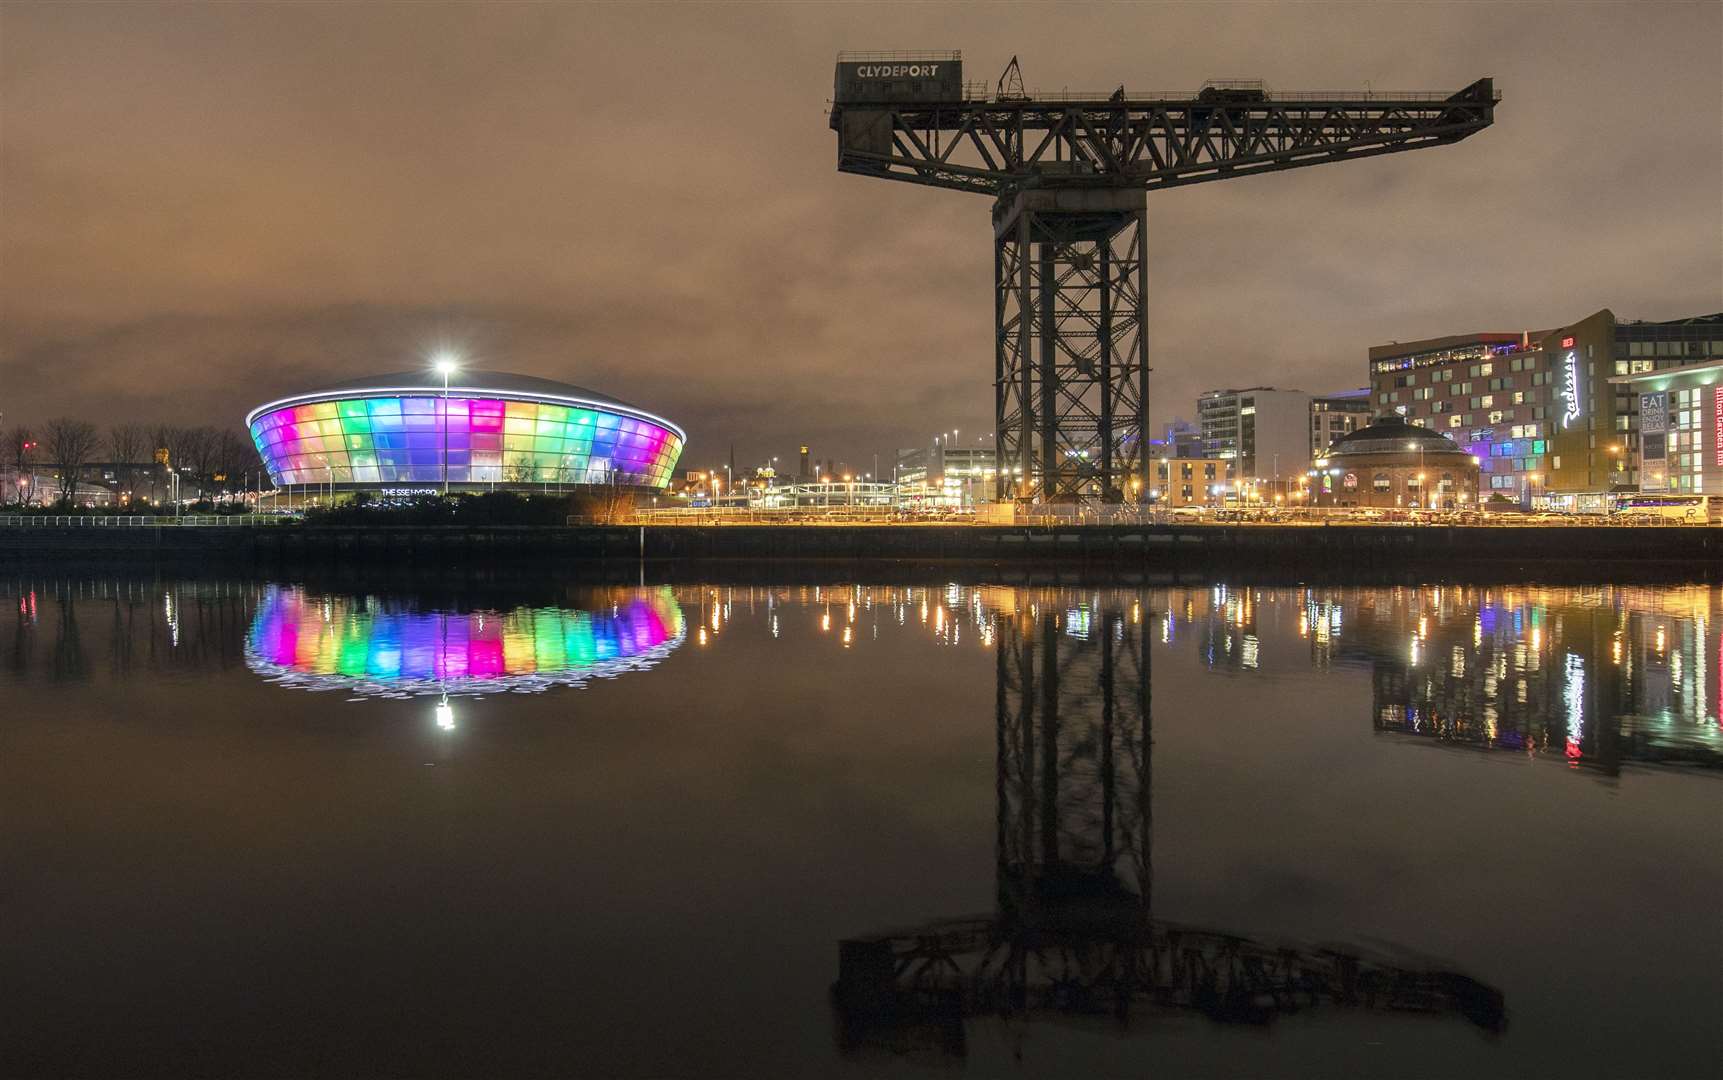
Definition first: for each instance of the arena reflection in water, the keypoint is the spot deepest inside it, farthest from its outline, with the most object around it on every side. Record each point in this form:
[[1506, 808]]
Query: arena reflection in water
[[371, 646]]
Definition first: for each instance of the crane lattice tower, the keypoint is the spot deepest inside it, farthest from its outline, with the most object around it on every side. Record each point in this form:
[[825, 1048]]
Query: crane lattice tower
[[1069, 175]]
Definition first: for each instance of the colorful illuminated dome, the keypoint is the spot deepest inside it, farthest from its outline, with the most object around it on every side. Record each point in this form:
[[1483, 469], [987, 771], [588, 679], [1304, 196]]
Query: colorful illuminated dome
[[366, 646], [501, 430]]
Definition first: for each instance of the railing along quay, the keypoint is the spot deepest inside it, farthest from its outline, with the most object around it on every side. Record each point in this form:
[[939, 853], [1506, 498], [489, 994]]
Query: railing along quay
[[121, 521]]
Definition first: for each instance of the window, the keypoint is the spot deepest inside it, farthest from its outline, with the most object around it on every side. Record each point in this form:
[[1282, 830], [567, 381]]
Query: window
[[1496, 417], [1519, 397], [1423, 393], [1453, 421], [1382, 483]]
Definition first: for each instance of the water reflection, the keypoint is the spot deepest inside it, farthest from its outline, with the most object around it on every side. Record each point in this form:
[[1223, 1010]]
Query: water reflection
[[1593, 677], [1072, 934], [372, 646]]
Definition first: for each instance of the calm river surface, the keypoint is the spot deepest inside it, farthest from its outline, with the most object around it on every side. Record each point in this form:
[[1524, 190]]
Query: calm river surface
[[280, 828]]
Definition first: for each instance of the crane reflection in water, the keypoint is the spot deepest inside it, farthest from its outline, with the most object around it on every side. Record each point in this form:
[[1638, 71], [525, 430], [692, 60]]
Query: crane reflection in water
[[374, 647], [1072, 933]]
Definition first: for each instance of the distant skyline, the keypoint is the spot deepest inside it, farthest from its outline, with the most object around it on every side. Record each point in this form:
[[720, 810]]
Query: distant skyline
[[203, 207]]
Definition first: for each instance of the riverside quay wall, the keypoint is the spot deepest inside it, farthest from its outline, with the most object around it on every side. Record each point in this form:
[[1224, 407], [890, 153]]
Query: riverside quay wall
[[1602, 548]]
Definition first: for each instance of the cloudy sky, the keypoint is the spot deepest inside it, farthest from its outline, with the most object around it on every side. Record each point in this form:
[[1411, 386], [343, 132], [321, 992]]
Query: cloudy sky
[[204, 205]]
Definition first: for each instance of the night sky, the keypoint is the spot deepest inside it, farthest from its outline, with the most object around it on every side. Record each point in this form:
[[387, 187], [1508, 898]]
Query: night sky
[[203, 206]]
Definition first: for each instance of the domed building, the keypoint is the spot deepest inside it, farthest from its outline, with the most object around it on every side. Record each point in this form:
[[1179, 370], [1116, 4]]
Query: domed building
[[1394, 464], [407, 433]]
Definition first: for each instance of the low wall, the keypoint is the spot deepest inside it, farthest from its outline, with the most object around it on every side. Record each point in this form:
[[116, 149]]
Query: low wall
[[1328, 547]]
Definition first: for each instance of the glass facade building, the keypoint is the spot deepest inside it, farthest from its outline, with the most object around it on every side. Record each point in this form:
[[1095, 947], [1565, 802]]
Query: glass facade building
[[488, 430]]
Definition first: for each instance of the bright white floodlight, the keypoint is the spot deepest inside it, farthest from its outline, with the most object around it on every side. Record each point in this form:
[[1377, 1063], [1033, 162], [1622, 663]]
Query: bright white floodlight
[[446, 364]]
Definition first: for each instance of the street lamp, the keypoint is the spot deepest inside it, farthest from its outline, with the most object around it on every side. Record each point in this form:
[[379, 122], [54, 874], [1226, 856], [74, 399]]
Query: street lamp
[[446, 364]]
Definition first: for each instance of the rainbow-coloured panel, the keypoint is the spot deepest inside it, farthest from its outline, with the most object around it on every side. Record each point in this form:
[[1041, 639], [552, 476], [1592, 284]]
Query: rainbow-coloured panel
[[490, 440], [367, 646]]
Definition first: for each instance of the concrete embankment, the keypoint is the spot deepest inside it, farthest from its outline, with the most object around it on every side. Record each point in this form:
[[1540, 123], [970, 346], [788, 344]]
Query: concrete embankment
[[1249, 546]]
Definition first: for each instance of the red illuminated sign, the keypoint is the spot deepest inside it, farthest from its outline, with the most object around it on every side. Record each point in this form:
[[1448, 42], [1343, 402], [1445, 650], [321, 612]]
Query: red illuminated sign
[[1567, 343], [1717, 423]]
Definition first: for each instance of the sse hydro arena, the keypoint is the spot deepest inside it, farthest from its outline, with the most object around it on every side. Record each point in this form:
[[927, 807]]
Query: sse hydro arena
[[387, 434]]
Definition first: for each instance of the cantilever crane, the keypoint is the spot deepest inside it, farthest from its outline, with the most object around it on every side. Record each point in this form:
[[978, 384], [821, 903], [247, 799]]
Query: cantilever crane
[[1069, 174]]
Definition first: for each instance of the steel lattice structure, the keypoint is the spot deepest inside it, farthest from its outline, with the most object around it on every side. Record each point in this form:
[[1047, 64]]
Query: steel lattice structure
[[1073, 932], [1069, 175]]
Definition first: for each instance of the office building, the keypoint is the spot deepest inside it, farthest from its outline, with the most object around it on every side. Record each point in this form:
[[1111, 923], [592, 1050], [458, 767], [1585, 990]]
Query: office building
[[1334, 415], [1263, 431], [1679, 420], [1190, 482]]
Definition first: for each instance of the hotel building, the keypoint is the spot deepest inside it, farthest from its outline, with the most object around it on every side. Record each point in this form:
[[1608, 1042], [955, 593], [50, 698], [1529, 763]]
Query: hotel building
[[1539, 408]]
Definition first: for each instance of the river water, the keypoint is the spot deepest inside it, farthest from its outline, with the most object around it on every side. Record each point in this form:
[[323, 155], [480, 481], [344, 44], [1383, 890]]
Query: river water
[[254, 827]]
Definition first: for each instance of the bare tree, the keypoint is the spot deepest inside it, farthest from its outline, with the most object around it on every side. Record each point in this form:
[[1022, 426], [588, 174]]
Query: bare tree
[[171, 440], [233, 455], [128, 447], [129, 444], [197, 447], [70, 445], [20, 449]]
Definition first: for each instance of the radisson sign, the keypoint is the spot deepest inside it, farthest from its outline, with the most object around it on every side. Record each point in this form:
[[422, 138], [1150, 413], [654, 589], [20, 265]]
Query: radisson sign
[[1570, 385]]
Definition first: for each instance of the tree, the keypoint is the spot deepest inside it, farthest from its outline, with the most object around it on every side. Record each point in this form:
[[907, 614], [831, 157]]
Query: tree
[[519, 470], [70, 445], [20, 451], [234, 455], [129, 444], [170, 439], [197, 448]]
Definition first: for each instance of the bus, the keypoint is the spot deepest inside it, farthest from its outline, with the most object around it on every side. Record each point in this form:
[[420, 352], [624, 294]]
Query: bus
[[1692, 509]]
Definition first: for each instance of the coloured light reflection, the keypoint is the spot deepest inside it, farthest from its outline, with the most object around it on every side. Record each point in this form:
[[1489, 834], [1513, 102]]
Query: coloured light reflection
[[491, 440], [366, 646]]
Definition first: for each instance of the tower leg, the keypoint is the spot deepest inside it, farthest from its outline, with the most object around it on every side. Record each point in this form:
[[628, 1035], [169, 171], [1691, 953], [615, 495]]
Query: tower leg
[[1071, 355]]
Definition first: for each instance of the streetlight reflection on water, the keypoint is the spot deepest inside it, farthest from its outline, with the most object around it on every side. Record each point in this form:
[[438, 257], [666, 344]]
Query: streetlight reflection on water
[[1528, 668]]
